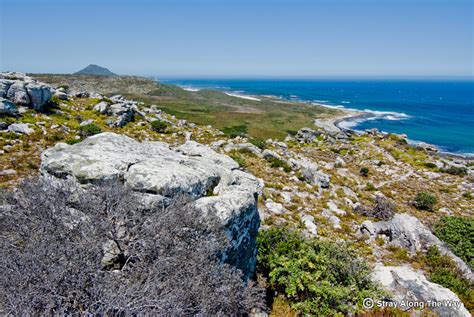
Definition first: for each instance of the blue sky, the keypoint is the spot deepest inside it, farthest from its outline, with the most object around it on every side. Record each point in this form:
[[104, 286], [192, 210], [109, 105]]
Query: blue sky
[[215, 38]]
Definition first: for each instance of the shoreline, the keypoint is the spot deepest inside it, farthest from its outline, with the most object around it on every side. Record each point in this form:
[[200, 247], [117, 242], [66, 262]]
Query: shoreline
[[334, 124], [357, 115]]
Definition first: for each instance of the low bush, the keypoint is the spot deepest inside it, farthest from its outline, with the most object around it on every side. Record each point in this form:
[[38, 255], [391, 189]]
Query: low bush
[[384, 209], [320, 278], [235, 131], [72, 251], [455, 170], [89, 129], [425, 201], [261, 144], [442, 270], [458, 233], [429, 165], [364, 171], [159, 126], [277, 163]]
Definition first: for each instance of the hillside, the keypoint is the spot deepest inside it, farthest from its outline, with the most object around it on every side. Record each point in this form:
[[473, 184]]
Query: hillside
[[95, 70], [324, 218]]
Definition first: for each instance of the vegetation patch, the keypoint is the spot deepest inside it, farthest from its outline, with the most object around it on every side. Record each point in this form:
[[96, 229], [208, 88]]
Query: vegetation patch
[[236, 130], [458, 233], [159, 126], [319, 278], [89, 129], [425, 201]]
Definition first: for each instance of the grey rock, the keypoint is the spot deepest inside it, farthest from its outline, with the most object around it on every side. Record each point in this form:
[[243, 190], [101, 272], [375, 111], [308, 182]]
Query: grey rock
[[86, 122], [61, 95], [4, 86], [249, 147], [17, 93], [3, 125], [8, 108], [306, 135], [274, 207], [22, 128], [407, 285], [102, 107], [310, 172], [39, 94], [268, 154], [156, 169], [408, 232], [308, 221]]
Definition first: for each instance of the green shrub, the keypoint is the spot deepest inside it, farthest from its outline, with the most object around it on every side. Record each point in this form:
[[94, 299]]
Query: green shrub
[[277, 163], [63, 86], [261, 144], [425, 201], [442, 270], [370, 187], [364, 171], [320, 278], [458, 233], [89, 129], [455, 170], [159, 126], [240, 160], [236, 130], [429, 165]]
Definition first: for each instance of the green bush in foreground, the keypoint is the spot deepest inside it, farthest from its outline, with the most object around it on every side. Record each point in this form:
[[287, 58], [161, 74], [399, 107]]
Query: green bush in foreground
[[319, 278], [442, 270], [458, 233], [425, 201], [89, 129], [159, 126]]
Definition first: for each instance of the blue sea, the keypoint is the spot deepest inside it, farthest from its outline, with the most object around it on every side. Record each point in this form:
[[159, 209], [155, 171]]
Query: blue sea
[[440, 112]]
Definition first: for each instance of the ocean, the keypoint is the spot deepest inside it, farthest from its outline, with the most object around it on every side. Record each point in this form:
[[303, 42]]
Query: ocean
[[440, 112]]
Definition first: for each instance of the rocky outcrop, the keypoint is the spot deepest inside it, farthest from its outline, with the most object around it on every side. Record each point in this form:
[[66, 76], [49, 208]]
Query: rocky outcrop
[[23, 90], [310, 172], [407, 231], [160, 174], [408, 286], [306, 135], [8, 108]]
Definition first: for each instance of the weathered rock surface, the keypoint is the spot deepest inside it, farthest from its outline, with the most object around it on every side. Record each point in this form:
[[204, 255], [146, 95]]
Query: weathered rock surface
[[407, 231], [154, 168], [306, 135], [7, 107], [22, 128], [23, 90], [406, 285], [310, 172]]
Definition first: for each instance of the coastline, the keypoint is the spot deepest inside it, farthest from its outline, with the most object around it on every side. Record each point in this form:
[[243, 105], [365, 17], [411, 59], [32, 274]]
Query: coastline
[[338, 123]]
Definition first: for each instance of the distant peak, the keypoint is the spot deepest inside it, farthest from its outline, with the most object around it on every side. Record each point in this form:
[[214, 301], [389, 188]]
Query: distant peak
[[95, 70]]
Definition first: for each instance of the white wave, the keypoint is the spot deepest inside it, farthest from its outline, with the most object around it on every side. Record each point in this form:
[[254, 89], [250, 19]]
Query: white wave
[[190, 89], [321, 101], [242, 96], [389, 115], [345, 102]]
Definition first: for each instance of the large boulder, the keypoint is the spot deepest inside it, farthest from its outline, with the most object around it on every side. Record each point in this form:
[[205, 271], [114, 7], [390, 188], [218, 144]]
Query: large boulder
[[17, 94], [409, 287], [154, 169], [310, 172], [23, 90], [306, 135], [7, 107], [39, 94], [406, 231]]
